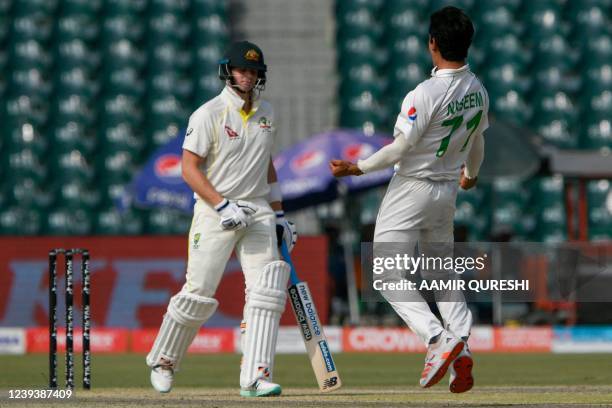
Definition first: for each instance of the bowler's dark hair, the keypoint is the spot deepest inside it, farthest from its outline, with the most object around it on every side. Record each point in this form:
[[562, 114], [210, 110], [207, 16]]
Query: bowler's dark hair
[[453, 31]]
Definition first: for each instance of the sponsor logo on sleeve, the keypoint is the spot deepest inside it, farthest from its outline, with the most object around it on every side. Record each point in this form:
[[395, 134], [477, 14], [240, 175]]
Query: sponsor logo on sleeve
[[412, 114]]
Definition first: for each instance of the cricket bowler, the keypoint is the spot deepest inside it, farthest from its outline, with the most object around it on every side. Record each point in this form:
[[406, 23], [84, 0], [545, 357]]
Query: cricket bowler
[[227, 162], [438, 141]]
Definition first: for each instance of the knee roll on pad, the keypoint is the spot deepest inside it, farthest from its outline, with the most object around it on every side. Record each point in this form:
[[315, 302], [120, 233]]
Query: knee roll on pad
[[191, 310], [186, 313]]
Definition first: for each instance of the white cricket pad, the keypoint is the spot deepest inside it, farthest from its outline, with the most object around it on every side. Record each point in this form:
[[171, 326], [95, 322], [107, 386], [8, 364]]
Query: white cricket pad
[[186, 313], [265, 304]]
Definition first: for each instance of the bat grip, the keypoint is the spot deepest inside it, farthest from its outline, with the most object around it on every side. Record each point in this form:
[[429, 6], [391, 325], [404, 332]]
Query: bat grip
[[293, 278]]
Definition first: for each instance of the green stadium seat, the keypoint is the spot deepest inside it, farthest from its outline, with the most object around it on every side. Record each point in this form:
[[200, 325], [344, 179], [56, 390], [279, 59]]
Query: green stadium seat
[[76, 53], [76, 81], [125, 80], [359, 79], [75, 195], [361, 50], [175, 7], [121, 136], [11, 220], [27, 137], [124, 7], [209, 7], [404, 78], [111, 221], [507, 48], [207, 56], [169, 55], [496, 21], [599, 199], [116, 167], [551, 236], [124, 53], [167, 27], [71, 165], [546, 191], [554, 50], [589, 21], [556, 130], [29, 82], [24, 164], [22, 109], [29, 7], [62, 221], [503, 78], [26, 54], [161, 222], [210, 28], [597, 51], [77, 108], [169, 83], [82, 25], [111, 191], [72, 135], [551, 217], [27, 193], [120, 108], [597, 134], [357, 22], [207, 86], [5, 6], [76, 7], [466, 5], [410, 49], [405, 23], [121, 27], [108, 221], [37, 26], [394, 7]]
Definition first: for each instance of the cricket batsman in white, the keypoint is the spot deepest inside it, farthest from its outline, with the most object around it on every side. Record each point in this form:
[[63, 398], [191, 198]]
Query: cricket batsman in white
[[227, 162], [438, 141]]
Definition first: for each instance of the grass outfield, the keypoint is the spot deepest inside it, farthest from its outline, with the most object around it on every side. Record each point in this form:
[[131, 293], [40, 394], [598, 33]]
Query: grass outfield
[[373, 380]]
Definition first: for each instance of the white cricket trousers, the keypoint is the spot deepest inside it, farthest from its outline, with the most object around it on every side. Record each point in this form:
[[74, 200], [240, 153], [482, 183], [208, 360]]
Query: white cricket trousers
[[210, 247], [419, 210]]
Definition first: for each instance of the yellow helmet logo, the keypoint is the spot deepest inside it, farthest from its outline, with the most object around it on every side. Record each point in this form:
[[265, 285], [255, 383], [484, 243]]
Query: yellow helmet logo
[[252, 55]]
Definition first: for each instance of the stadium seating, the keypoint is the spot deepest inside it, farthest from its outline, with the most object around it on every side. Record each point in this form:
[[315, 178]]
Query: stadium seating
[[88, 88]]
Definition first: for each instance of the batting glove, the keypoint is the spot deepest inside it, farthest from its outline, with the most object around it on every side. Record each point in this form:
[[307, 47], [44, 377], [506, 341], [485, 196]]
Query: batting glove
[[285, 231], [235, 215]]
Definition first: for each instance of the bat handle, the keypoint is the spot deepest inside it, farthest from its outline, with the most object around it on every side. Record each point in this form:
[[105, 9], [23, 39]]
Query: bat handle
[[293, 278]]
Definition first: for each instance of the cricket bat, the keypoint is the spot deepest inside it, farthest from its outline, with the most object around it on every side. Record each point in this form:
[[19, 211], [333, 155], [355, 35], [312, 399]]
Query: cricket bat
[[310, 326]]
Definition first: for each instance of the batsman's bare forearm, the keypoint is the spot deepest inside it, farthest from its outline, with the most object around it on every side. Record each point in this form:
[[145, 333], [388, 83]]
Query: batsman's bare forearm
[[273, 178], [195, 179]]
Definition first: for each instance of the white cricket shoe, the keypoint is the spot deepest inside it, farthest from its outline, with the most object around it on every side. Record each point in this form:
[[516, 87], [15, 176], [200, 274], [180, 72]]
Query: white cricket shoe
[[439, 357], [261, 388], [161, 378], [461, 379]]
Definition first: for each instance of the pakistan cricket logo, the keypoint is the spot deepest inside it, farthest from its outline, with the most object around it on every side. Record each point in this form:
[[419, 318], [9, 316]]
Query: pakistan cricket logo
[[196, 241], [264, 123]]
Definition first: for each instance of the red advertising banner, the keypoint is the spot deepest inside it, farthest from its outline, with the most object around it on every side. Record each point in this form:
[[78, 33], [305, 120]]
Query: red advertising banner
[[370, 339], [102, 340], [523, 339], [206, 341], [132, 279]]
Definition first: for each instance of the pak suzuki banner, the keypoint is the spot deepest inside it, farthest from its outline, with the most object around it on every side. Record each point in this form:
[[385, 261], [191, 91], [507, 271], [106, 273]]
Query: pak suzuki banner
[[132, 279]]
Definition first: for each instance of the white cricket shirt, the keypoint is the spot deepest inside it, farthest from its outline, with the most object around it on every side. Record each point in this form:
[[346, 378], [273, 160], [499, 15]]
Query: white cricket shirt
[[440, 118], [236, 146]]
